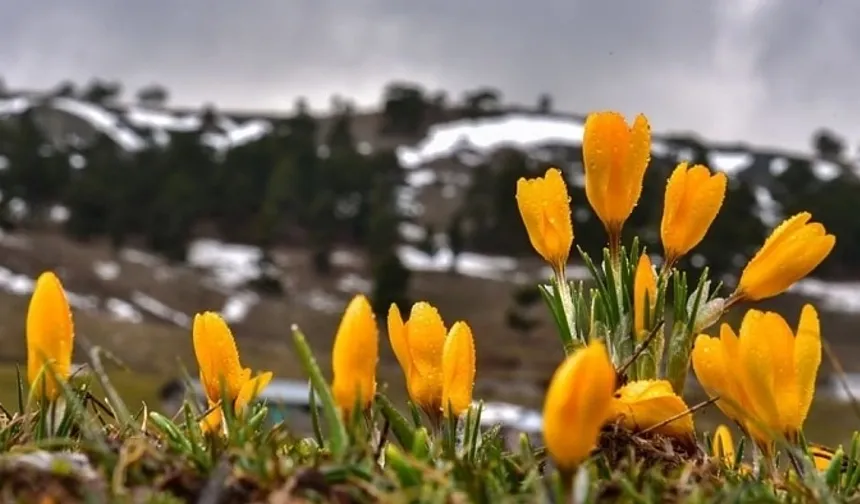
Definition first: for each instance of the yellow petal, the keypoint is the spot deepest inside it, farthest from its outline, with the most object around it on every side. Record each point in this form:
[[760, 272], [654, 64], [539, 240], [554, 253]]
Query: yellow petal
[[781, 341], [212, 420], [715, 374], [822, 456], [644, 297], [693, 200], [807, 359], [544, 205], [425, 337], [397, 337], [636, 162], [354, 356], [50, 336], [792, 251], [458, 369], [250, 390], [723, 446], [577, 404], [217, 357], [644, 404], [757, 373]]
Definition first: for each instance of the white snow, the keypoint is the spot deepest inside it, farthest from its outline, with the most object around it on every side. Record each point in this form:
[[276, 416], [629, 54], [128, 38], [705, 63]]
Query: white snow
[[420, 177], [123, 311], [142, 258], [14, 106], [157, 308], [731, 163], [412, 232], [468, 263], [59, 213], [232, 264], [154, 119], [102, 120], [237, 306], [106, 270], [489, 134], [825, 170], [322, 301], [15, 283], [769, 210], [834, 296], [778, 166], [240, 135], [352, 283], [345, 259]]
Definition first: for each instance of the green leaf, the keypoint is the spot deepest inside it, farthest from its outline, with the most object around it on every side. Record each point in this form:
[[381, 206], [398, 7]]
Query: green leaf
[[402, 429], [337, 436]]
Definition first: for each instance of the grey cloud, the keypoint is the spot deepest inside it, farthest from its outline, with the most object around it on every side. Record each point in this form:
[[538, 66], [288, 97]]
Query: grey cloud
[[751, 69]]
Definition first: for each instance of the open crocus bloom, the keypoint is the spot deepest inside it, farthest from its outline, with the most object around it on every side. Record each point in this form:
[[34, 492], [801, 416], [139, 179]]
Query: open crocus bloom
[[765, 377]]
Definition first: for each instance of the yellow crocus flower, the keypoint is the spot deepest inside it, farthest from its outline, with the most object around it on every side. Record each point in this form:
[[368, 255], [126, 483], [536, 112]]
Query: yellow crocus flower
[[723, 446], [220, 369], [644, 297], [50, 337], [792, 251], [545, 208], [615, 157], [644, 404], [458, 370], [577, 405], [693, 199], [723, 449], [354, 356], [766, 376], [419, 345]]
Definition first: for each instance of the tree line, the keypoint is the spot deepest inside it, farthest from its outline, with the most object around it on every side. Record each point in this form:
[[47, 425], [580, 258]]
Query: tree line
[[283, 189]]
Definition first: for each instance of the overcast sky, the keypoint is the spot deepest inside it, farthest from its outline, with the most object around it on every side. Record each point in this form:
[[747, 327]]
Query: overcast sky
[[769, 71]]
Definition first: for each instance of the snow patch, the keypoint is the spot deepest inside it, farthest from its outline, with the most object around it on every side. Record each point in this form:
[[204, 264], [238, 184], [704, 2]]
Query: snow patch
[[233, 265], [157, 308], [106, 270]]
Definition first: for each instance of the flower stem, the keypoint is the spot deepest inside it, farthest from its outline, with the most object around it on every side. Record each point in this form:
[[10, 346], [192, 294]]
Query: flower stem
[[570, 341]]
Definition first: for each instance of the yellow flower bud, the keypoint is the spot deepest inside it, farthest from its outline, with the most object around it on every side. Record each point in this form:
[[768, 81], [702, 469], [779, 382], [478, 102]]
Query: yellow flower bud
[[644, 297], [50, 337], [458, 369], [220, 369], [545, 208], [644, 404], [723, 446], [615, 157], [792, 251], [418, 346], [354, 356], [577, 404], [693, 199]]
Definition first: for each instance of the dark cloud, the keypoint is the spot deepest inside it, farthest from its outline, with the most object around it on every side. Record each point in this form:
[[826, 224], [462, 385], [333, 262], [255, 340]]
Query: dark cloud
[[769, 71]]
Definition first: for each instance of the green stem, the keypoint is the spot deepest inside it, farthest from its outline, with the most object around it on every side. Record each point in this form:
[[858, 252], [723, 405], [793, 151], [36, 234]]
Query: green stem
[[571, 342]]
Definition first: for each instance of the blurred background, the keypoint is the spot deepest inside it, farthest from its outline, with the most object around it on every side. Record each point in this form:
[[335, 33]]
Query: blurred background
[[270, 159]]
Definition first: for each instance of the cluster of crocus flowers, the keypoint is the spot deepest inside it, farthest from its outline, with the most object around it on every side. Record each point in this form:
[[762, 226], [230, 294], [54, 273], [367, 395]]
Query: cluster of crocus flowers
[[792, 251], [50, 337], [765, 376], [222, 376], [439, 366], [577, 405], [354, 356], [615, 157], [693, 200]]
